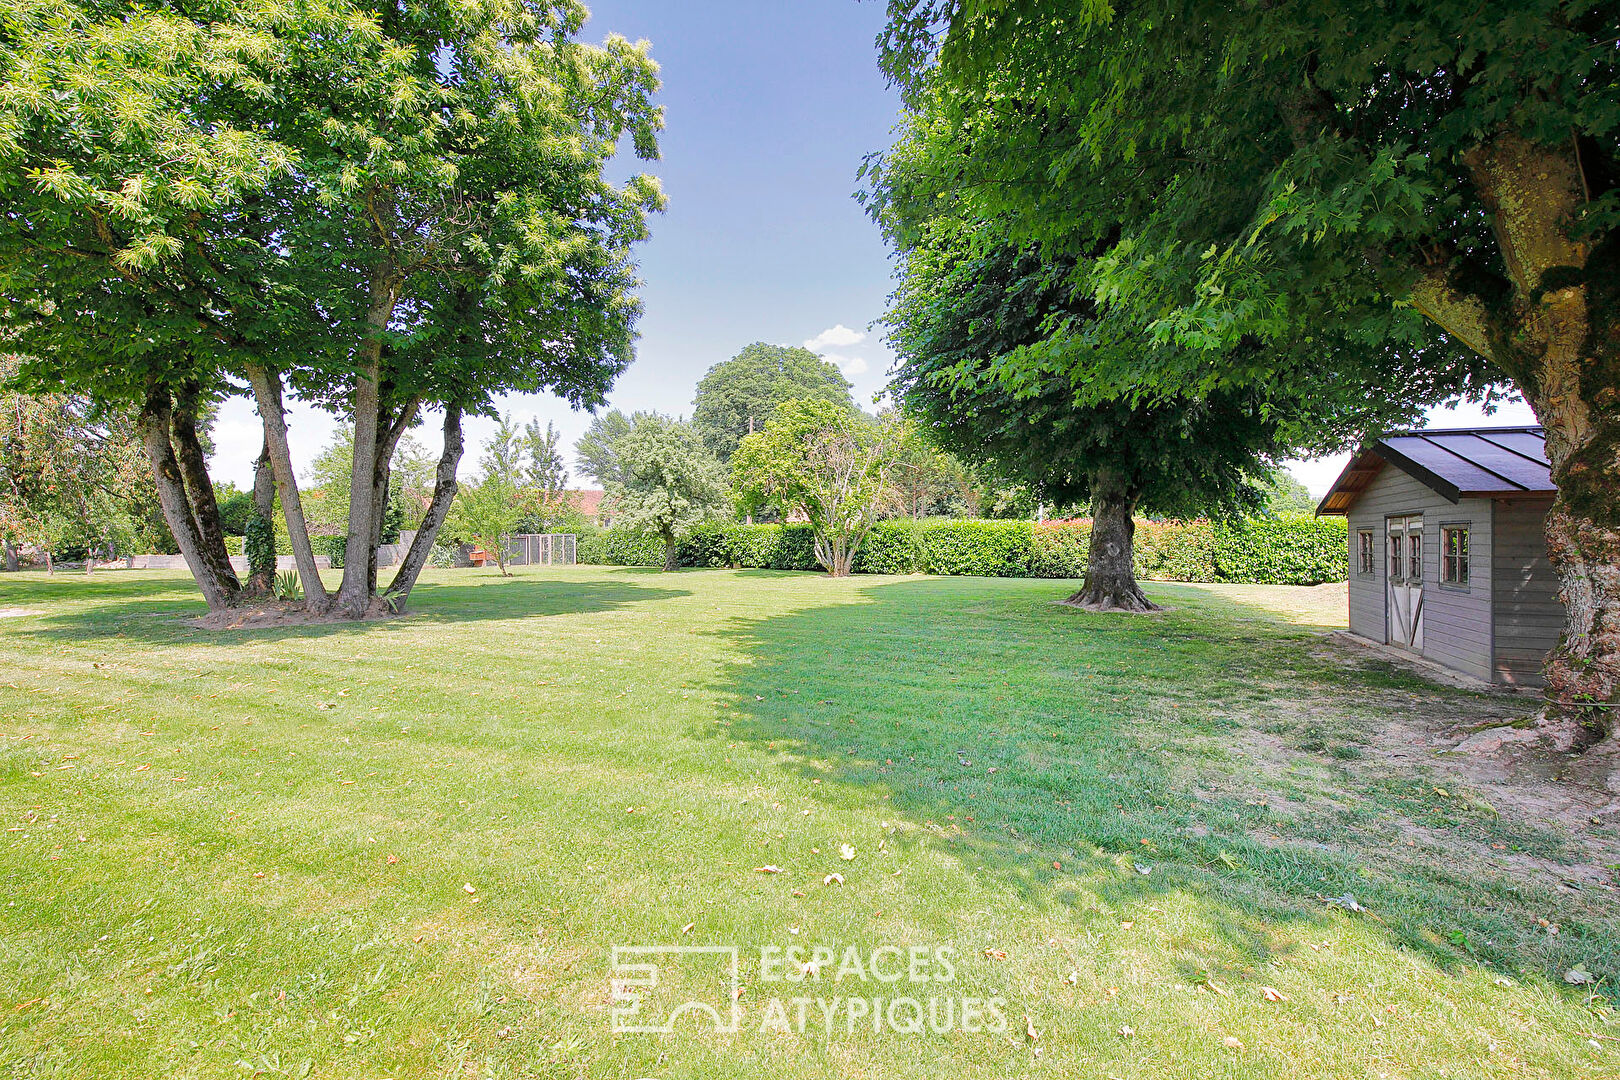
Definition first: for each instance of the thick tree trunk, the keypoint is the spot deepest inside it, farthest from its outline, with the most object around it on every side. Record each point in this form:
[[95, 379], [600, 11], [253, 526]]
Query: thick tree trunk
[[264, 504], [156, 425], [672, 554], [1110, 583], [267, 395], [12, 565], [1559, 338], [193, 464], [354, 594], [444, 493]]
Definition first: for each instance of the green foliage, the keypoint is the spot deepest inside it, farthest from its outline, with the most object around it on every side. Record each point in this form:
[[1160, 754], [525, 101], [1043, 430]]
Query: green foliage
[[259, 545], [485, 513], [287, 586], [1284, 550], [824, 461], [236, 508], [596, 452], [1274, 550], [670, 482], [740, 395], [1286, 495], [334, 547]]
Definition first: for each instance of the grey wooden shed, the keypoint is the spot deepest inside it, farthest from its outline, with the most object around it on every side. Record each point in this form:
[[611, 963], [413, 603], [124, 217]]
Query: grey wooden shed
[[1448, 553]]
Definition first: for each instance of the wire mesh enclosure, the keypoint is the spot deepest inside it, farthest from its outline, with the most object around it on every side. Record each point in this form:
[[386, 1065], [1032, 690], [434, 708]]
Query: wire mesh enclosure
[[542, 549]]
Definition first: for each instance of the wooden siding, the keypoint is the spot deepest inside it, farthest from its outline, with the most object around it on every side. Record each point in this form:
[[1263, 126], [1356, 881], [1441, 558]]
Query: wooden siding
[[1527, 614], [1457, 622]]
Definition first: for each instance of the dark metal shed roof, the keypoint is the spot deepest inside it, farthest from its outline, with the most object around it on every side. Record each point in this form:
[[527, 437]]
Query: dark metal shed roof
[[1459, 463]]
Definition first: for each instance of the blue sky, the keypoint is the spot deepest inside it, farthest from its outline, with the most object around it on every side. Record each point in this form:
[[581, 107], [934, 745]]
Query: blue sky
[[770, 105]]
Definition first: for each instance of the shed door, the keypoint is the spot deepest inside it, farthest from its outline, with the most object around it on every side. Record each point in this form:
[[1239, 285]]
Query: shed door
[[1405, 600]]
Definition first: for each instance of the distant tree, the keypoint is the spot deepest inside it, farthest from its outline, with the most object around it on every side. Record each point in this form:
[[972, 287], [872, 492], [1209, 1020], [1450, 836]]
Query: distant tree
[[73, 476], [486, 513], [235, 507], [670, 482], [739, 395], [825, 461], [1286, 495], [596, 453], [545, 477], [925, 480]]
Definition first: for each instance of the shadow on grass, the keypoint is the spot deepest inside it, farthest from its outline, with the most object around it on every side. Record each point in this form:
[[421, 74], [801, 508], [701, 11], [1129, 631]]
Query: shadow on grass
[[1076, 757], [155, 611]]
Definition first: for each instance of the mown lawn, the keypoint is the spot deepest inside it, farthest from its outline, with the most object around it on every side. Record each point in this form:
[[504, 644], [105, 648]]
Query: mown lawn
[[406, 849]]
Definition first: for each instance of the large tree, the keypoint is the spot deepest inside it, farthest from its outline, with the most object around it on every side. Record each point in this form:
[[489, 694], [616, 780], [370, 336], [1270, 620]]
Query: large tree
[[379, 208], [1437, 173], [737, 396], [968, 305]]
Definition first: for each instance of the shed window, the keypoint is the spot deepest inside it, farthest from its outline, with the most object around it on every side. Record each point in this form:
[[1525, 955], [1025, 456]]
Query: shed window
[[1364, 552], [1454, 555]]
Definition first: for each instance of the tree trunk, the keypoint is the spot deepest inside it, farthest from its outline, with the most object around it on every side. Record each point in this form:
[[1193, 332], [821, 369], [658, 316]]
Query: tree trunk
[[50, 563], [264, 503], [444, 493], [156, 425], [1110, 583], [387, 443], [1559, 340], [193, 464], [672, 553], [12, 566], [273, 414]]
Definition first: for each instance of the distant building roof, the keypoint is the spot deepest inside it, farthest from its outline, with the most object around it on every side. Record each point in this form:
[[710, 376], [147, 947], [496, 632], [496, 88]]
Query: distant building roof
[[588, 503], [1459, 463]]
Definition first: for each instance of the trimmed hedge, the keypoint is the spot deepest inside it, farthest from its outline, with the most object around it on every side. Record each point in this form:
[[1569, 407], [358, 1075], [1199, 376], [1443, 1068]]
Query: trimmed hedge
[[1285, 550]]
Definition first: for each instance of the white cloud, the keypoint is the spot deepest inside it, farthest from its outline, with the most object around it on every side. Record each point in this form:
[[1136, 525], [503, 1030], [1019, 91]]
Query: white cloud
[[849, 365], [839, 336]]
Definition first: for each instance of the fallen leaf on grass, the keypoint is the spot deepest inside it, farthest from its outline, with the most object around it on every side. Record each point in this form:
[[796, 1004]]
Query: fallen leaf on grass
[[846, 852], [392, 859], [1029, 1029], [1232, 1043], [833, 879], [1072, 978], [995, 954], [468, 889], [1578, 976], [1216, 987], [1126, 1030], [687, 929], [768, 868], [1271, 993]]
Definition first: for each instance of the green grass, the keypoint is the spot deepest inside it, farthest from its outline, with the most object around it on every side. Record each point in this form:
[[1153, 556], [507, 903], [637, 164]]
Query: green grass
[[246, 853]]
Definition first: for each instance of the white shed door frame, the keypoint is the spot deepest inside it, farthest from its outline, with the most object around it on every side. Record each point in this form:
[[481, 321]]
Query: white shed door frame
[[1404, 602]]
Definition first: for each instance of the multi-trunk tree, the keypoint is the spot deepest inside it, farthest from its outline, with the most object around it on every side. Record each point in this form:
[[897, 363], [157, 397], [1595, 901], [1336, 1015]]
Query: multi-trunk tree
[[1440, 175], [382, 210], [823, 461]]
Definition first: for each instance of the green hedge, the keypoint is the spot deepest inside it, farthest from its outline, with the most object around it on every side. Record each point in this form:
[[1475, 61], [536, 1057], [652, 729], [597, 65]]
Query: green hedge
[[1287, 550]]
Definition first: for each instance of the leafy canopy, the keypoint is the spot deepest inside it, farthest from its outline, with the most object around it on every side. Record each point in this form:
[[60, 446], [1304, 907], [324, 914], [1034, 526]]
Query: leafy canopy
[[739, 395]]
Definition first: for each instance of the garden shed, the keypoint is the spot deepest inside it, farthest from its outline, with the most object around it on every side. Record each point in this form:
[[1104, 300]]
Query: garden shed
[[1448, 552]]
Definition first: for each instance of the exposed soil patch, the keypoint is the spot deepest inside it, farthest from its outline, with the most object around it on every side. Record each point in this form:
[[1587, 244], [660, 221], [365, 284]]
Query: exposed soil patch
[[272, 614], [1481, 758], [18, 612]]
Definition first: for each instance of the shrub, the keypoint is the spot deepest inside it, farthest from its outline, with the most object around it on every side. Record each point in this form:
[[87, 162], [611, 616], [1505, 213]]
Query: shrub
[[1282, 550], [332, 547], [1176, 551], [442, 556], [1058, 549], [1288, 549]]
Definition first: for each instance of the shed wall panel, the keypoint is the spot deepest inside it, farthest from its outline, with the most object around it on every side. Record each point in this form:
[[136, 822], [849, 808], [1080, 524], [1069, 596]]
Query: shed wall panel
[[1527, 615]]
